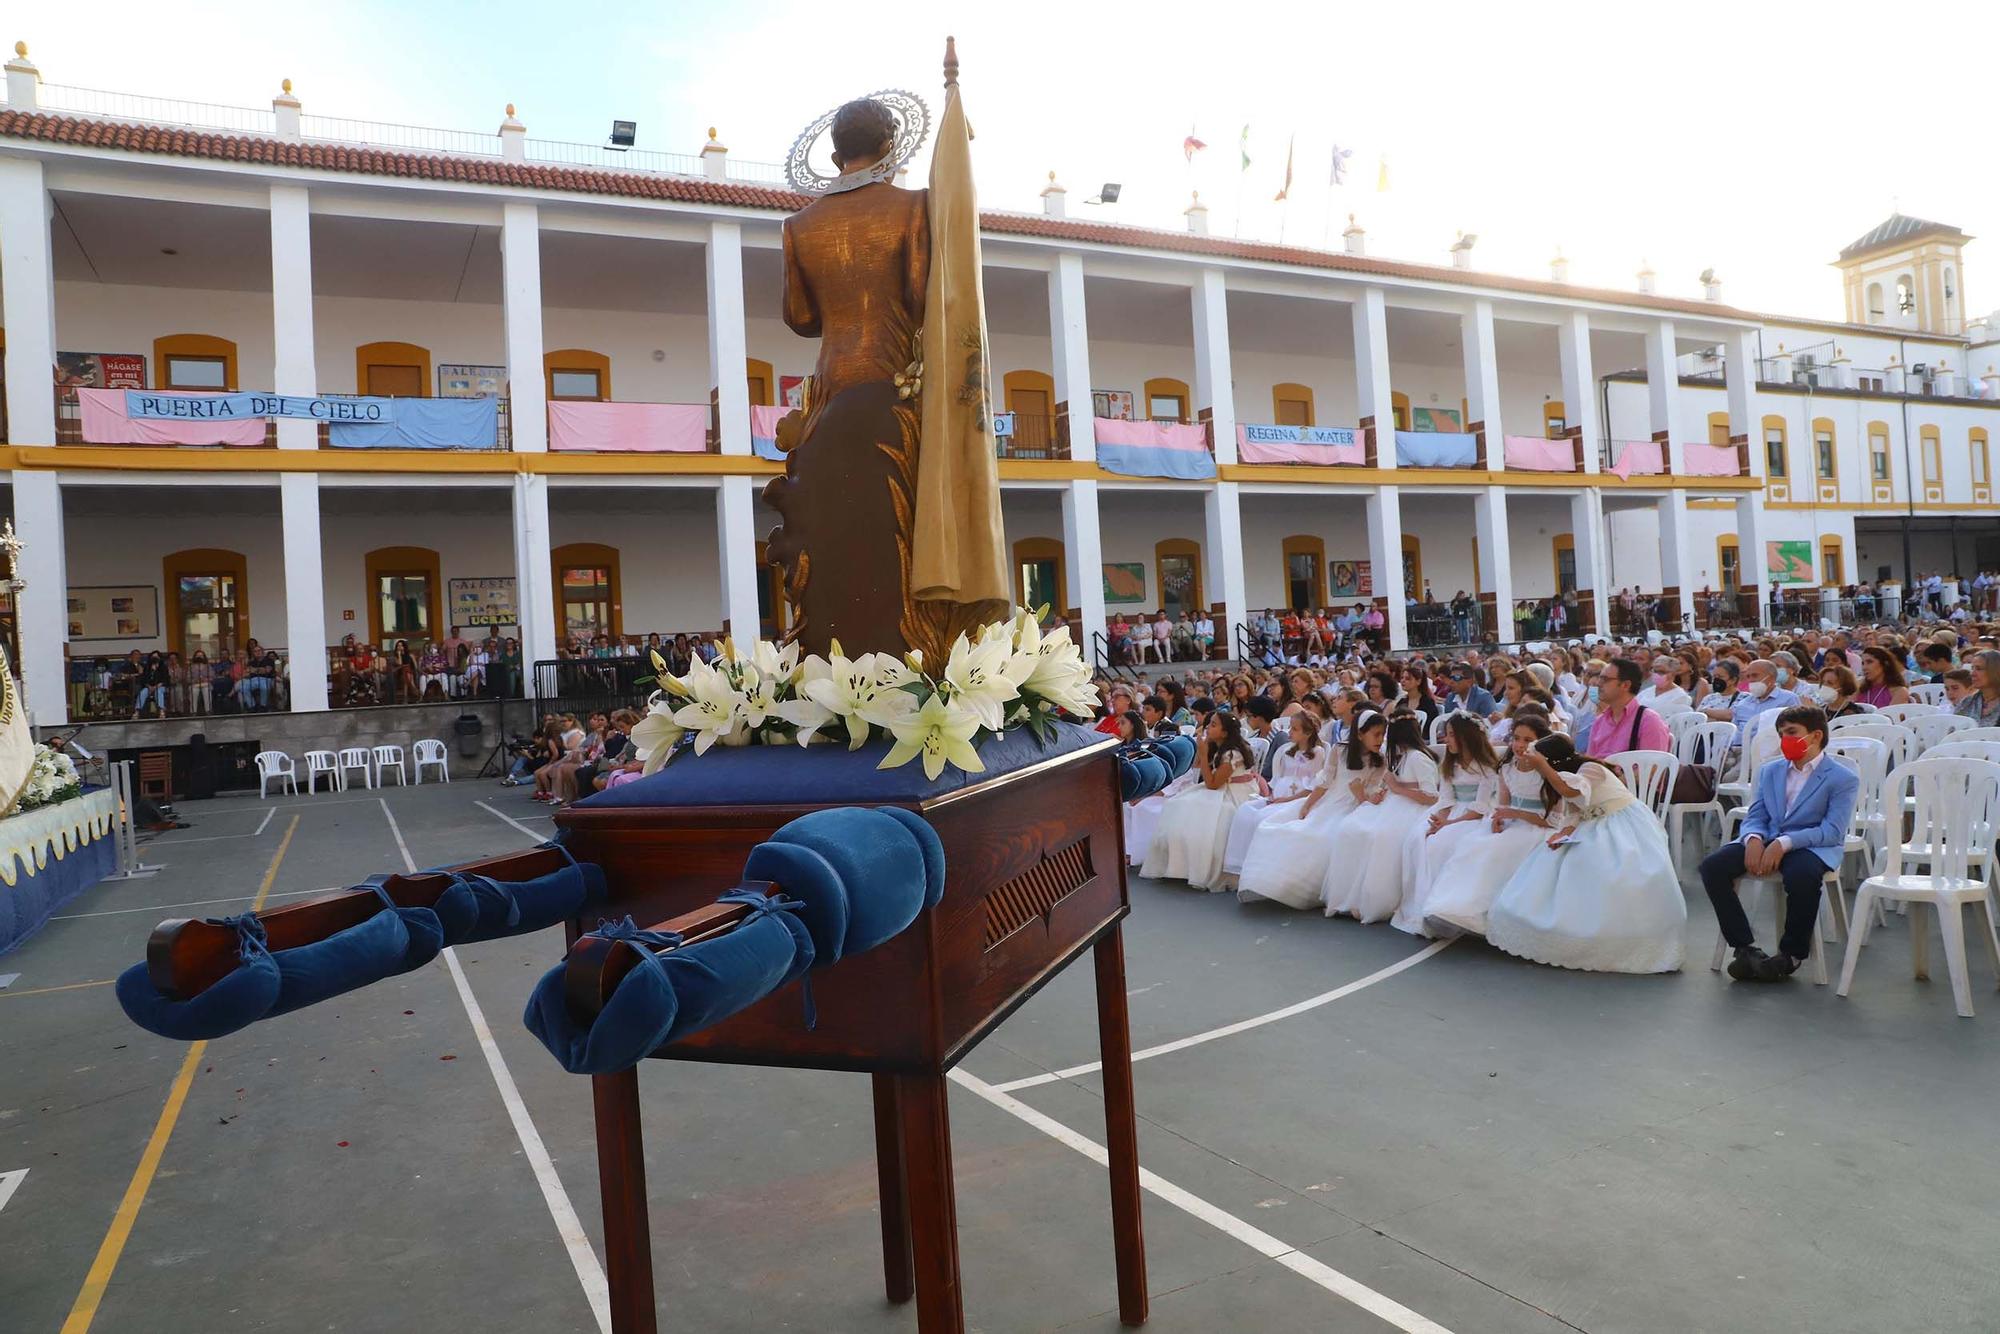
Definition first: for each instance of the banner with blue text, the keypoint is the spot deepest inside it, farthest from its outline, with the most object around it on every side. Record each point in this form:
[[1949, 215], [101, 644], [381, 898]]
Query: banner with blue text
[[234, 407]]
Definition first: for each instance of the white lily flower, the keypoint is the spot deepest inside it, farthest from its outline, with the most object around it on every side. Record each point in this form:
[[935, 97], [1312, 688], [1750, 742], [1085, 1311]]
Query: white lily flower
[[655, 736], [760, 695], [978, 678], [714, 708], [851, 692], [775, 663], [888, 671], [941, 732]]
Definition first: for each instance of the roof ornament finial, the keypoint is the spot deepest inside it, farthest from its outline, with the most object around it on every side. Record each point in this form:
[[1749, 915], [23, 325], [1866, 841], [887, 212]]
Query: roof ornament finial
[[21, 50], [510, 109], [950, 61], [285, 84]]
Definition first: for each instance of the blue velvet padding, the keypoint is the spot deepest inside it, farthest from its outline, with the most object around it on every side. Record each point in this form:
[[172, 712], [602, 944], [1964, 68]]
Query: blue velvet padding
[[237, 1001], [808, 877], [1141, 775], [932, 847], [876, 860], [377, 948], [730, 973], [632, 1025], [473, 907], [551, 899], [822, 775], [1183, 750]]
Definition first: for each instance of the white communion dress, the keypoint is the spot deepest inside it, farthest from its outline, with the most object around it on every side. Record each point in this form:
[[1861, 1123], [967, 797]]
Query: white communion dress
[[1469, 792], [1608, 901], [1194, 828], [1364, 870], [1287, 858], [1464, 885], [1142, 818], [1292, 776]]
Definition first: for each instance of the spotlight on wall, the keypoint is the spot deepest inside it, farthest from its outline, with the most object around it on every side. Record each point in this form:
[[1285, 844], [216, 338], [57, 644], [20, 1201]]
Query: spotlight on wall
[[623, 133], [1108, 195]]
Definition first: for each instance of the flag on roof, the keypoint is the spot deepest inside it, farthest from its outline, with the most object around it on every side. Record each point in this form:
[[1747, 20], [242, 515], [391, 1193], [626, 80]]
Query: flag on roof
[[1243, 146], [1340, 156], [1286, 189], [1191, 145]]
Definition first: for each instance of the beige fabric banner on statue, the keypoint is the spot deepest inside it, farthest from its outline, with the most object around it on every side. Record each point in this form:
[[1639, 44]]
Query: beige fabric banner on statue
[[17, 743], [958, 553]]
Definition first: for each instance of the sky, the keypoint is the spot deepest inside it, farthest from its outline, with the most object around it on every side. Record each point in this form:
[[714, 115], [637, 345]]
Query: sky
[[1750, 137]]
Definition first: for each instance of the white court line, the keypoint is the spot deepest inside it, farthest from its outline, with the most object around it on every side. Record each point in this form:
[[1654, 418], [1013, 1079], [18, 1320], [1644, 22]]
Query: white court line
[[11, 1182], [539, 838], [1325, 1275], [588, 1271], [194, 903], [265, 823], [1242, 1025]]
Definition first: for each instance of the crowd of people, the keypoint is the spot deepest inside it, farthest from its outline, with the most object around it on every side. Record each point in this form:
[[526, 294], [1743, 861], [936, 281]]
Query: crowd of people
[[1469, 793], [163, 684], [567, 759]]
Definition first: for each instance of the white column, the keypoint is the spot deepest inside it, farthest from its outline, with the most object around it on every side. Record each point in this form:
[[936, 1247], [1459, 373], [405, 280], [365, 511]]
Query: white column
[[1083, 559], [1496, 563], [1222, 560], [1482, 384], [1579, 382], [521, 300], [1676, 559], [305, 587], [729, 346], [1385, 552], [293, 368], [533, 578], [1663, 391], [1214, 390], [1741, 388], [1069, 344], [44, 609], [1586, 527], [1752, 569], [736, 542], [28, 310], [1371, 369]]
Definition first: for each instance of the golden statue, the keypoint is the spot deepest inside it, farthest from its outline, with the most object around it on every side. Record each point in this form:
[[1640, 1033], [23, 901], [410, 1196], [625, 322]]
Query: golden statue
[[891, 535]]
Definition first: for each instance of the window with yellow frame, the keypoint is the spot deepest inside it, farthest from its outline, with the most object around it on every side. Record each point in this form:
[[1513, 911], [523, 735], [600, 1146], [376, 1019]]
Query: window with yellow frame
[[1777, 463], [1982, 462], [1824, 461], [1931, 446], [1878, 451], [1830, 571]]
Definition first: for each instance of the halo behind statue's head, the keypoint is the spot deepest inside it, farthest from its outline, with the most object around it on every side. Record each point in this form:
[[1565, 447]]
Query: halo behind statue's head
[[913, 126]]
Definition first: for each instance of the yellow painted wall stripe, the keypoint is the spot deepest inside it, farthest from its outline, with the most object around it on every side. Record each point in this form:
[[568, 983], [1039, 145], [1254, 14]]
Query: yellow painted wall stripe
[[99, 1278]]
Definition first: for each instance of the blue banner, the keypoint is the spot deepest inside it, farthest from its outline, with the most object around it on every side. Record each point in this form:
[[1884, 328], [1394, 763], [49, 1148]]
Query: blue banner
[[1436, 449], [235, 407], [423, 423], [1187, 465]]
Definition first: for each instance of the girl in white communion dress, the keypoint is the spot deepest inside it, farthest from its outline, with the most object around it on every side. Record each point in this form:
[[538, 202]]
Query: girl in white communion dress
[[1194, 827], [1364, 869], [1471, 783], [1287, 858], [1465, 882], [1294, 774]]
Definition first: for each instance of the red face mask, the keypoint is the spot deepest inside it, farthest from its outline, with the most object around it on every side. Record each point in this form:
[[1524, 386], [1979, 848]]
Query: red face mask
[[1794, 747]]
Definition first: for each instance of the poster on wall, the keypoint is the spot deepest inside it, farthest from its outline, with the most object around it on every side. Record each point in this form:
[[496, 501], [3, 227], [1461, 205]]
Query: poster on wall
[[1435, 419], [100, 370], [792, 391], [117, 611], [1350, 579], [1124, 582], [1789, 562], [482, 602], [463, 380], [1111, 404]]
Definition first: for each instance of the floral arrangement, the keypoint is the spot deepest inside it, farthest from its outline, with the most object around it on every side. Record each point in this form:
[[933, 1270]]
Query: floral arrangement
[[52, 778], [1011, 675]]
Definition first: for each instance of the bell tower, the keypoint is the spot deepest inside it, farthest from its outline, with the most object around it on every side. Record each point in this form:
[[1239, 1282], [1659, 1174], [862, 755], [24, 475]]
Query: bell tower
[[1907, 273]]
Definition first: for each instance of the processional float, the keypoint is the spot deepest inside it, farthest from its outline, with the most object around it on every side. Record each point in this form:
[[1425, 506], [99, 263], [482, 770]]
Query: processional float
[[876, 919]]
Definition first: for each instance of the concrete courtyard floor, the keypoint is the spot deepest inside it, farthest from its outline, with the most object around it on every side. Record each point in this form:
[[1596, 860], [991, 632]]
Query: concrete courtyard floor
[[1468, 1143]]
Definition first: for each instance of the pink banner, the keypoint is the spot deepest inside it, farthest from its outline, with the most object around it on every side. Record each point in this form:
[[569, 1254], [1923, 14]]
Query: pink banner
[[1152, 435], [764, 421], [1532, 453], [1256, 451], [104, 423], [1710, 460], [1640, 458], [627, 428]]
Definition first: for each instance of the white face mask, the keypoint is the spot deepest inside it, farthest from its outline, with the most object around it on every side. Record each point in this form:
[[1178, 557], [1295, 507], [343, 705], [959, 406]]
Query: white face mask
[[1758, 689]]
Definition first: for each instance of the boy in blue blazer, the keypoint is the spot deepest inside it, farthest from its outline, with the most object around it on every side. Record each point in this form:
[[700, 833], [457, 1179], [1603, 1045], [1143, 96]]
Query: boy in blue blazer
[[1795, 829]]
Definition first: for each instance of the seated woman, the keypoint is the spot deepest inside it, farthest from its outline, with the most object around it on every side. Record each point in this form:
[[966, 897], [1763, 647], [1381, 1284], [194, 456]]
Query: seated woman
[[1601, 893], [433, 669], [570, 746], [1287, 859], [1838, 687], [1364, 870], [1294, 773], [1194, 828], [1465, 881], [1470, 775]]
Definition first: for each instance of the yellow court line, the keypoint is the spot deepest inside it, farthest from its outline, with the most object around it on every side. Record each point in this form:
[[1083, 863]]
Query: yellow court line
[[67, 986], [99, 1277]]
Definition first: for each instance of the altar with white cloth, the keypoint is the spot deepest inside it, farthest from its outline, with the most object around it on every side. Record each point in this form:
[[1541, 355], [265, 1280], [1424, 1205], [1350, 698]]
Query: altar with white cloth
[[51, 854]]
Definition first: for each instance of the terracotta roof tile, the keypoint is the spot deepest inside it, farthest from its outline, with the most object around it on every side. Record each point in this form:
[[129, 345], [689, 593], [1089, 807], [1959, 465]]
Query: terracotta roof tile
[[172, 141]]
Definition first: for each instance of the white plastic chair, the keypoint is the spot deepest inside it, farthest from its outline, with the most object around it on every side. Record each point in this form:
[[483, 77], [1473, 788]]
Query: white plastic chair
[[1680, 725], [1932, 728], [1650, 774], [276, 765], [1705, 743], [1759, 751], [430, 754], [357, 757], [1977, 734], [1951, 795], [1902, 742], [1955, 748], [385, 757], [323, 762], [1927, 692], [1902, 713]]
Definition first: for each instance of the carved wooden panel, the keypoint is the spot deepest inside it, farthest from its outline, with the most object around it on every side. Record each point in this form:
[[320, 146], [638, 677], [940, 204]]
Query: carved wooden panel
[[1036, 892]]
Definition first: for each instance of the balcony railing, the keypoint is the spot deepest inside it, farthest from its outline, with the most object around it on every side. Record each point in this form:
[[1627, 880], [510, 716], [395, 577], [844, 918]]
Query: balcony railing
[[67, 99], [1032, 436], [70, 431], [105, 688]]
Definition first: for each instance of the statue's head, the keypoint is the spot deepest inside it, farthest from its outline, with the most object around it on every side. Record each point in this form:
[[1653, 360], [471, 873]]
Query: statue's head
[[864, 132]]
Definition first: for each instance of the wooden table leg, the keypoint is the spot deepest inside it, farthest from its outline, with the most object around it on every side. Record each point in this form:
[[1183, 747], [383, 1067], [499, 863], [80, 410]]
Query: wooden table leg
[[892, 1183], [621, 1181], [1121, 1127], [933, 1205]]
